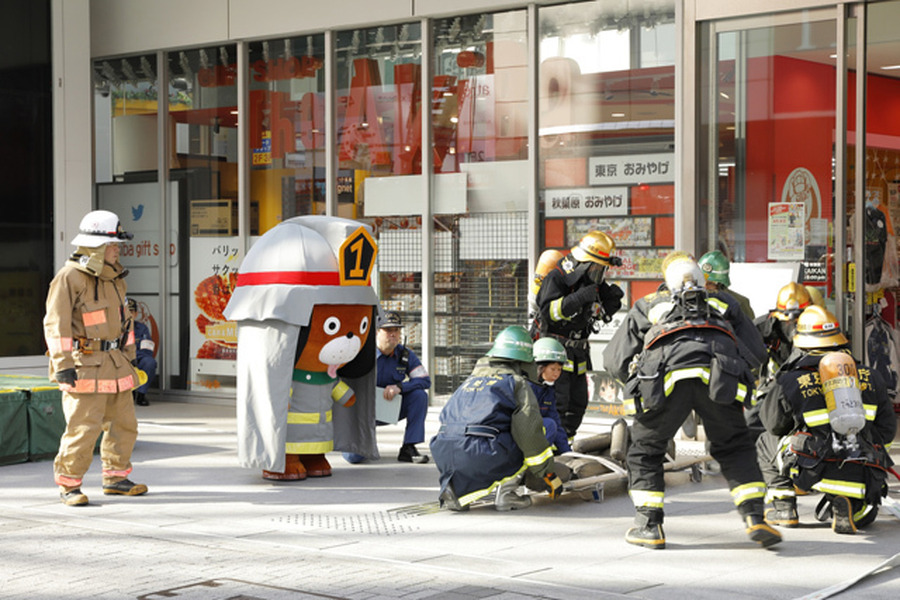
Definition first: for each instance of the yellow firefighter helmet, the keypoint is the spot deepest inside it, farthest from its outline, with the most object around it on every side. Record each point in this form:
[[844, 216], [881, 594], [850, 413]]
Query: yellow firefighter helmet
[[793, 299], [595, 247], [818, 328], [815, 295]]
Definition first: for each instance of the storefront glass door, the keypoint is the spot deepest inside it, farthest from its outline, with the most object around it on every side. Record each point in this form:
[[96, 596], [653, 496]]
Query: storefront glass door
[[767, 139], [880, 182]]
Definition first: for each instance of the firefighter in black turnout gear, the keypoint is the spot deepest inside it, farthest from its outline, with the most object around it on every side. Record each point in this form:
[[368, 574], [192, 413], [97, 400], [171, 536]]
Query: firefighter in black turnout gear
[[777, 329], [574, 297], [684, 348], [829, 424]]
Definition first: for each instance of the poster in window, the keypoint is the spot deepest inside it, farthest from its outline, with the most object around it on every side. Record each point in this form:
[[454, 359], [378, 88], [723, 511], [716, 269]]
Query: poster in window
[[626, 232], [787, 226]]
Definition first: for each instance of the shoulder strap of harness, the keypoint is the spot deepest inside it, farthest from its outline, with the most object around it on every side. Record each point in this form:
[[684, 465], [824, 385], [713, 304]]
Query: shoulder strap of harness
[[677, 320]]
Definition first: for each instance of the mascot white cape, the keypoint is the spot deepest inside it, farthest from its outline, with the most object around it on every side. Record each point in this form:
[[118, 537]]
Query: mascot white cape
[[305, 313]]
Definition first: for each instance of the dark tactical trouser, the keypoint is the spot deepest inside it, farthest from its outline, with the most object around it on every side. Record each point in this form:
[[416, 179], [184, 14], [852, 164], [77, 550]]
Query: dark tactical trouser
[[572, 390], [730, 445]]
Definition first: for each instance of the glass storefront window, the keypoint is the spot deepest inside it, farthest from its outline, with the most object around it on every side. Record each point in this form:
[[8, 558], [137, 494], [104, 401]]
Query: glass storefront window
[[378, 124], [480, 197], [287, 129], [607, 133], [203, 171], [379, 138], [881, 182], [767, 184], [126, 104]]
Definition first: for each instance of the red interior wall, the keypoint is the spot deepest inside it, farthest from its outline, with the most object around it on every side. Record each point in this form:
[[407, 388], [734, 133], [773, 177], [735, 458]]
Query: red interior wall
[[790, 124]]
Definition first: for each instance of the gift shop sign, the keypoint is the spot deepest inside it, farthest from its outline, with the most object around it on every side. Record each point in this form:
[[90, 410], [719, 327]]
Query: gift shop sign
[[632, 169], [587, 202]]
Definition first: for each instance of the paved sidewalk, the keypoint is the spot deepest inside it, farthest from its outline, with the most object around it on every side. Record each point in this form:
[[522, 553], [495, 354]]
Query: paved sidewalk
[[210, 530]]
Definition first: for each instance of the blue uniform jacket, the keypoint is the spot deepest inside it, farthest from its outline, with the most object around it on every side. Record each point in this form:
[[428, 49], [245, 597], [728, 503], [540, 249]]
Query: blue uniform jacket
[[394, 369], [142, 333], [546, 399]]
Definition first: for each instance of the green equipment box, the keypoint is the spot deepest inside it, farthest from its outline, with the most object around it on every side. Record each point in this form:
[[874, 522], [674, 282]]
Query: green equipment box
[[45, 421], [13, 427]]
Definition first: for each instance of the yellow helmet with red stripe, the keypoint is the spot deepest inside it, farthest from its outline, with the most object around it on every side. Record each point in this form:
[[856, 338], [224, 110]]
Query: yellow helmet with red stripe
[[596, 247], [818, 328], [793, 299]]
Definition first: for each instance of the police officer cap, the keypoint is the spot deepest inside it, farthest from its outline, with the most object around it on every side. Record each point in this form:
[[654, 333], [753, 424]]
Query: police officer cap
[[389, 319]]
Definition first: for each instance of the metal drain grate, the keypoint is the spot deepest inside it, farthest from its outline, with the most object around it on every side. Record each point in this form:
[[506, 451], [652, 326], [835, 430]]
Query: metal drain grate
[[384, 523]]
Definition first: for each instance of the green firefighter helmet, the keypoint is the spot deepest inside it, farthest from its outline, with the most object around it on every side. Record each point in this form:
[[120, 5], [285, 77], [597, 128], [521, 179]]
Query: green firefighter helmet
[[549, 350], [715, 267], [513, 343]]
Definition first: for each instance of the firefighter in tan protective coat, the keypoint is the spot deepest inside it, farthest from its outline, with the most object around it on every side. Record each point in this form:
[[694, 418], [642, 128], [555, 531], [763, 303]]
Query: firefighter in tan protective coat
[[90, 338]]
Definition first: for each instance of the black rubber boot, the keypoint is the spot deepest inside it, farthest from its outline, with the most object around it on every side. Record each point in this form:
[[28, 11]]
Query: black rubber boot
[[647, 531], [784, 513], [409, 453], [865, 518], [757, 529], [843, 515]]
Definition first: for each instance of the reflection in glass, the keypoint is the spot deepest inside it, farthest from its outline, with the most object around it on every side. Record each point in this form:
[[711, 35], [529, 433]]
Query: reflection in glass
[[202, 90], [287, 128], [607, 128]]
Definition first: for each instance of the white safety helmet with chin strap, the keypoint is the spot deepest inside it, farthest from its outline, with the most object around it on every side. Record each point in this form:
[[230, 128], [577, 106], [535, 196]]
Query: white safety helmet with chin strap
[[100, 227], [683, 273]]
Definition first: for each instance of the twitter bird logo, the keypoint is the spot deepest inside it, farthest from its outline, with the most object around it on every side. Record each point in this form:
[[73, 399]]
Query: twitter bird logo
[[137, 212]]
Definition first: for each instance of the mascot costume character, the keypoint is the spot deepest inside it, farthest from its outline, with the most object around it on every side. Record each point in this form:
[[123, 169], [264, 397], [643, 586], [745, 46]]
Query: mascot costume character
[[305, 311]]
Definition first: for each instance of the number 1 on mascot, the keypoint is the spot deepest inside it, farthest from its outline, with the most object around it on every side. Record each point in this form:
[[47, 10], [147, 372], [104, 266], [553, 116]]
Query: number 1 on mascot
[[305, 308]]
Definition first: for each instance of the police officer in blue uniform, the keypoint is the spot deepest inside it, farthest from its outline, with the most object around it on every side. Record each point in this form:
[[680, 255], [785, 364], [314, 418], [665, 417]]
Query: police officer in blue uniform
[[145, 361], [401, 373], [492, 433]]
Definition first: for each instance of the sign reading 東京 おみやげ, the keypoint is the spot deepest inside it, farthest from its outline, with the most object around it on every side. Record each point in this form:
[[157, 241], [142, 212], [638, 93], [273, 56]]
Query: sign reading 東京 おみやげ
[[632, 169]]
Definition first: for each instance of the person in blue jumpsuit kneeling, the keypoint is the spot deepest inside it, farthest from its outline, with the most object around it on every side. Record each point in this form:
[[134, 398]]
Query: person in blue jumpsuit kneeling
[[492, 437], [144, 360], [550, 356], [401, 373]]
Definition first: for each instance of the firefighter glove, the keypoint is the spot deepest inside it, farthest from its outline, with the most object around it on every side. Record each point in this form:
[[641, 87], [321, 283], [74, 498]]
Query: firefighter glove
[[554, 485], [586, 295], [67, 376], [611, 299]]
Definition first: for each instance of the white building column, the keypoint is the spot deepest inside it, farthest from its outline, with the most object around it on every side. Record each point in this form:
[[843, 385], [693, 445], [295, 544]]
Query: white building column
[[72, 120]]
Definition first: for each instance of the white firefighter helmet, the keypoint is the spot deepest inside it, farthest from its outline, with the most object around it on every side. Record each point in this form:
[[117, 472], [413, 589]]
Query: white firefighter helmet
[[683, 273], [100, 227], [302, 262]]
